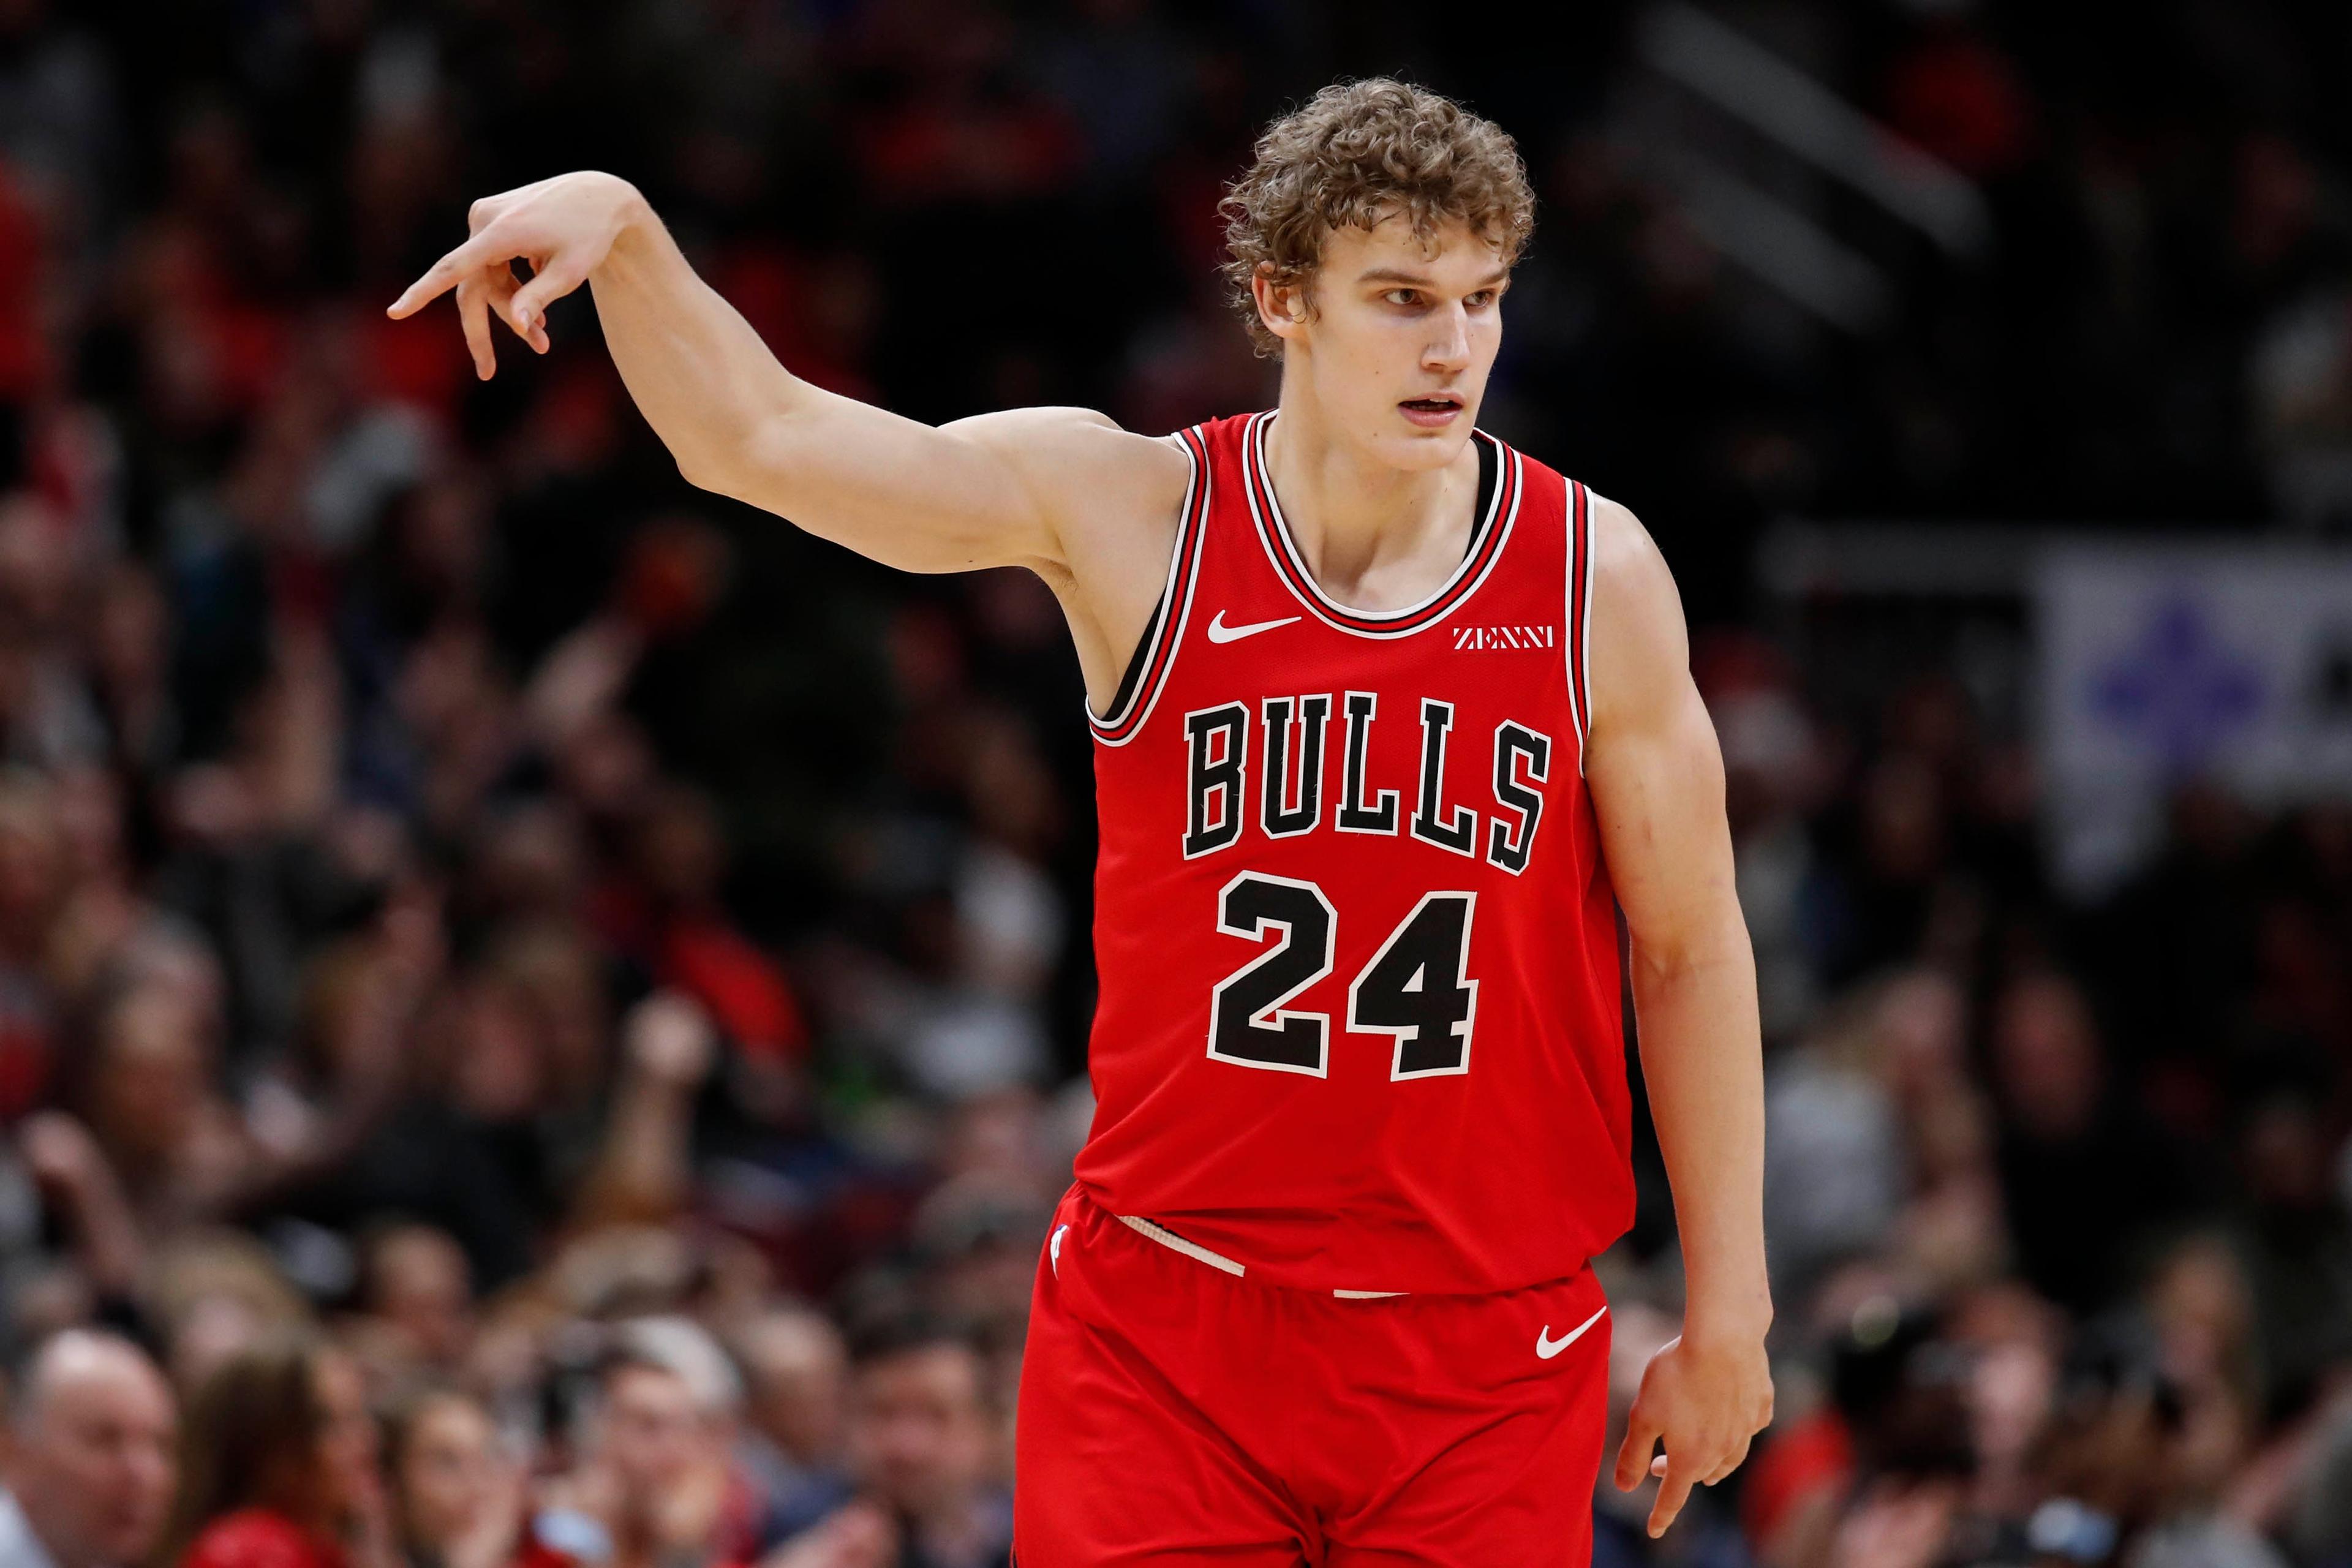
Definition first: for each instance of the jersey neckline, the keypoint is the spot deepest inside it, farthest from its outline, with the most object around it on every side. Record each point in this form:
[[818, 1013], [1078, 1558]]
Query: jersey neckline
[[1290, 565]]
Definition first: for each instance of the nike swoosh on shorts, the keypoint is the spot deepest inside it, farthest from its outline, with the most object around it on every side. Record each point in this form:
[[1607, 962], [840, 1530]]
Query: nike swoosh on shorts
[[1546, 1347]]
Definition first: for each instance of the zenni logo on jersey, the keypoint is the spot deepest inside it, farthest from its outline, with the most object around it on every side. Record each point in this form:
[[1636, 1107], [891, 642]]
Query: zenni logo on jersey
[[1478, 639]]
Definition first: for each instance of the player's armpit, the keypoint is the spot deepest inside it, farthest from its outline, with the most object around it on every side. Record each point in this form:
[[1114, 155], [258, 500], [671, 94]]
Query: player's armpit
[[1106, 497], [1091, 508]]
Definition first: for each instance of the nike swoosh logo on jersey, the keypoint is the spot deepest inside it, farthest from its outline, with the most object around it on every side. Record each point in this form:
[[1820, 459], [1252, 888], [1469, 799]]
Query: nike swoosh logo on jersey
[[1220, 632], [1546, 1347], [1054, 1248]]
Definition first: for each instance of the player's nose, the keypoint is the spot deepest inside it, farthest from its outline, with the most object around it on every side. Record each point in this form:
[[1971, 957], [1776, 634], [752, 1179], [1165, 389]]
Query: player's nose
[[1449, 348]]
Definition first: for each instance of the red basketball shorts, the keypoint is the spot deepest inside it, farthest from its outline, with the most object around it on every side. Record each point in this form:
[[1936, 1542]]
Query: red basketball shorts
[[1173, 1412]]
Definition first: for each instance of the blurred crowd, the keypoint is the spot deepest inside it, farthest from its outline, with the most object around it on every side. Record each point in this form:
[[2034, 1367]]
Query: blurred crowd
[[541, 1016]]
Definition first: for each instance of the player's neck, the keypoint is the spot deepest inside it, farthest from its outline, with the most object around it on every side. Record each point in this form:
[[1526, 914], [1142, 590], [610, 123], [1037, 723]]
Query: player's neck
[[1364, 526]]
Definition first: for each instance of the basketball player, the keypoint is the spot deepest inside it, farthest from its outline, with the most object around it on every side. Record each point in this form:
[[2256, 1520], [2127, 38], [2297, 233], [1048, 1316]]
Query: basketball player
[[1391, 721]]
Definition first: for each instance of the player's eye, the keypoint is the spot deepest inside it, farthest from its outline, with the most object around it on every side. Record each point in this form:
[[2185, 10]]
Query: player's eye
[[1482, 298], [1402, 297]]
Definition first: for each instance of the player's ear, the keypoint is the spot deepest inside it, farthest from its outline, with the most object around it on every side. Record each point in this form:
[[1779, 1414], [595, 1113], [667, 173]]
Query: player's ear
[[1281, 305]]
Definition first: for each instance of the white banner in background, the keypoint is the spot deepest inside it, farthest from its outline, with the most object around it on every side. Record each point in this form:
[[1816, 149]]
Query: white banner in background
[[2160, 664]]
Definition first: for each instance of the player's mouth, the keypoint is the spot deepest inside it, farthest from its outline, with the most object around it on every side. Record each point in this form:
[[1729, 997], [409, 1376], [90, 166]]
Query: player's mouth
[[1434, 412]]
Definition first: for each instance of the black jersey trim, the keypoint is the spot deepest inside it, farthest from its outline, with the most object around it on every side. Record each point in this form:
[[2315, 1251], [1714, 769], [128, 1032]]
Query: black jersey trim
[[1579, 639], [1489, 476], [1274, 532], [1155, 654], [1489, 468], [1141, 657]]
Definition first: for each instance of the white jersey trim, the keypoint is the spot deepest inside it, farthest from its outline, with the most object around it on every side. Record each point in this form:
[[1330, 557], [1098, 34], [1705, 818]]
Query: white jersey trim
[[1273, 533], [1169, 1239], [1578, 613], [1194, 1250], [1127, 721]]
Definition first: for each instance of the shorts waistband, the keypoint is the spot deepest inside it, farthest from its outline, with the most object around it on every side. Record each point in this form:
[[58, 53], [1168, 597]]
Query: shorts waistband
[[1194, 1250]]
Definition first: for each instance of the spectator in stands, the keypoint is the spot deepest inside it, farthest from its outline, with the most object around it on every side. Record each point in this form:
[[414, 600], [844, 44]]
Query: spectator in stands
[[154, 1105], [797, 1370], [417, 1284], [88, 1457], [213, 1294], [659, 1475], [2083, 1173], [458, 1499], [279, 1465], [924, 1439]]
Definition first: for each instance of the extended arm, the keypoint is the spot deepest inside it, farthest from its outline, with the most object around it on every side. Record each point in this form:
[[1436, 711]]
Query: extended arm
[[1656, 777], [994, 491]]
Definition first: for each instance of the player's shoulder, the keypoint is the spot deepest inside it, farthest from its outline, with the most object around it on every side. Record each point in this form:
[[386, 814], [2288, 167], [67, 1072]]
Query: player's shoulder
[[1640, 645], [1623, 551], [1083, 456], [1054, 431], [1050, 420], [1627, 562]]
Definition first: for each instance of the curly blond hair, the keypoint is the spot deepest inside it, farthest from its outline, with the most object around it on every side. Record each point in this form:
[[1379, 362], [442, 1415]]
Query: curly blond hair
[[1356, 153]]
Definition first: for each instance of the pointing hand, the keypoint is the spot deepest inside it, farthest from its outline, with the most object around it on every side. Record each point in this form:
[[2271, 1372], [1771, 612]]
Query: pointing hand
[[562, 227]]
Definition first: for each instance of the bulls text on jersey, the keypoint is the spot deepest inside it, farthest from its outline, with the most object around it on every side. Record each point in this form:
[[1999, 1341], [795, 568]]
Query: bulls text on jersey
[[1288, 750]]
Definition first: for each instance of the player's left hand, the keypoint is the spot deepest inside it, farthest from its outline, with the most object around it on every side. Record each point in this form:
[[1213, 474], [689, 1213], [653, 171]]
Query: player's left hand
[[1706, 1400]]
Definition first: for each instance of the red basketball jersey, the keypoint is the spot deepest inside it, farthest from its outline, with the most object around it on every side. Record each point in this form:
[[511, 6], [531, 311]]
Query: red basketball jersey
[[1360, 1025]]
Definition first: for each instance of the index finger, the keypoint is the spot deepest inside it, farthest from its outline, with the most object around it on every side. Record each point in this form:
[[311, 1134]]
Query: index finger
[[1671, 1495], [444, 275]]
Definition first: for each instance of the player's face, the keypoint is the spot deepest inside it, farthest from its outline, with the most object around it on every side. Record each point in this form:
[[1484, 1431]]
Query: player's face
[[1400, 337]]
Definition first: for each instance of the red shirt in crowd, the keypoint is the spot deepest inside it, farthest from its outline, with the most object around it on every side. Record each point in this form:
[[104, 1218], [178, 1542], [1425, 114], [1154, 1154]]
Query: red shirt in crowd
[[256, 1538]]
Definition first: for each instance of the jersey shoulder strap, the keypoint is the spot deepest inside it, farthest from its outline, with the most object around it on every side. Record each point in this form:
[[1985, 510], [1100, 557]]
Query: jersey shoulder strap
[[1155, 653]]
